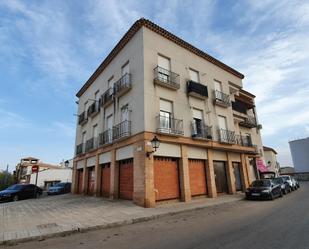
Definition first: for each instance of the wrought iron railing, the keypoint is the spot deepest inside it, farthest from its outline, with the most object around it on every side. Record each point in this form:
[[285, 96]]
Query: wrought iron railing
[[106, 137], [167, 77], [249, 122], [239, 106], [93, 108], [123, 84], [79, 149], [201, 130], [122, 129], [227, 136], [82, 118], [89, 144], [107, 96], [222, 98], [169, 125], [197, 88], [244, 140]]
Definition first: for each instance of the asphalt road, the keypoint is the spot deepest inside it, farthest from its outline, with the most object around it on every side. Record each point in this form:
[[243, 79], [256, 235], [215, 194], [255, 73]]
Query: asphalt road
[[282, 223]]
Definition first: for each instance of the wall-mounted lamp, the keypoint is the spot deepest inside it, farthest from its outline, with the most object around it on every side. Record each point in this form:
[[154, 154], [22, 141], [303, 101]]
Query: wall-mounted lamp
[[155, 143]]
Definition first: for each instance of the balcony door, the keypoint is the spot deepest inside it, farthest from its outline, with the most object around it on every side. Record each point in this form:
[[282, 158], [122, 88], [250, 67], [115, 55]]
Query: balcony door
[[218, 86], [166, 110], [164, 63], [109, 125], [95, 134], [194, 75], [197, 122], [125, 69], [124, 120], [222, 122]]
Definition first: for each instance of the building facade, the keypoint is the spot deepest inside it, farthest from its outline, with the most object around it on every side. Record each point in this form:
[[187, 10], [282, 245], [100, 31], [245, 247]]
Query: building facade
[[300, 156], [153, 84], [270, 157]]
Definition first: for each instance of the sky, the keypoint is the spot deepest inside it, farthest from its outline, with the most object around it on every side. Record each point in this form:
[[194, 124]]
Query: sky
[[48, 49]]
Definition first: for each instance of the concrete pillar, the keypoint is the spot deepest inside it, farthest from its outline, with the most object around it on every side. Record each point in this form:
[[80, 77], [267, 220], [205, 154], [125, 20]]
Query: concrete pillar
[[230, 175], [114, 178], [74, 178], [210, 175], [85, 178], [244, 172], [97, 172], [184, 175]]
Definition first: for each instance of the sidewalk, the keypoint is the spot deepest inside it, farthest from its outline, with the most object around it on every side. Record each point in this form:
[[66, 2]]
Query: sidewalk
[[66, 214]]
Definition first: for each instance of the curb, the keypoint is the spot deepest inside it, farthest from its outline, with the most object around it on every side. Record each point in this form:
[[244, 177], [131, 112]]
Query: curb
[[109, 225]]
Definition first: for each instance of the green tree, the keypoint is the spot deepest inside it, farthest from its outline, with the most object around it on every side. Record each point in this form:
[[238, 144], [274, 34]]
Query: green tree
[[6, 179]]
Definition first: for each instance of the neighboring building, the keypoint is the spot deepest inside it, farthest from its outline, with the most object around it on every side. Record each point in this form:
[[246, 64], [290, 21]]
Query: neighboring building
[[300, 155], [287, 170], [23, 169], [270, 157], [155, 84]]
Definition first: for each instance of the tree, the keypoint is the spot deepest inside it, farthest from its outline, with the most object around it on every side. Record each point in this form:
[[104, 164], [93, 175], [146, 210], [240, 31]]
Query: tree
[[6, 179]]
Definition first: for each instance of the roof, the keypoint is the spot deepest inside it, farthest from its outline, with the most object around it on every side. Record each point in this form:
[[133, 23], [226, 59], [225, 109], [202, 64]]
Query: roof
[[29, 158], [265, 148], [166, 34]]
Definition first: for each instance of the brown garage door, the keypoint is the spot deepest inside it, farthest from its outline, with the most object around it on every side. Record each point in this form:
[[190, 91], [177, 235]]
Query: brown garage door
[[197, 177], [80, 181], [220, 177], [105, 180], [91, 181], [126, 179], [166, 179]]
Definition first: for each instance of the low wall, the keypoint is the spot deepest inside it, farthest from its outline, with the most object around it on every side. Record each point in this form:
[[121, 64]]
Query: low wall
[[304, 176]]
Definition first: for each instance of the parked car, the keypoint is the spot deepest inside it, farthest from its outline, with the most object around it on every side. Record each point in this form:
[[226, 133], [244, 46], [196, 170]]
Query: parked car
[[285, 188], [289, 182], [264, 189], [296, 182], [60, 188], [19, 192]]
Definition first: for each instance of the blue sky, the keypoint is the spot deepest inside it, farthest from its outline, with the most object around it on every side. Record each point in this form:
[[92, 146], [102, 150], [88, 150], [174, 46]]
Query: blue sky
[[48, 49]]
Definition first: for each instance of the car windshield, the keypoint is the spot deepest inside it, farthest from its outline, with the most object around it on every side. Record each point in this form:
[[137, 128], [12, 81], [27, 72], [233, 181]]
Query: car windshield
[[15, 187], [61, 184], [278, 180], [286, 178], [261, 183]]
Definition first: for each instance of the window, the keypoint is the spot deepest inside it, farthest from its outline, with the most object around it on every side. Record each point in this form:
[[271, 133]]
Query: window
[[95, 131], [222, 122], [110, 82], [165, 65], [218, 86], [125, 69], [84, 137], [96, 95], [85, 106], [166, 110], [198, 121], [109, 125], [125, 112], [194, 76]]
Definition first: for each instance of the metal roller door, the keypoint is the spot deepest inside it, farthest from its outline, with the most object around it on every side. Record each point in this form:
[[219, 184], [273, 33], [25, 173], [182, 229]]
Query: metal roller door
[[126, 179], [105, 180], [166, 178], [91, 181], [197, 174], [80, 181], [220, 177]]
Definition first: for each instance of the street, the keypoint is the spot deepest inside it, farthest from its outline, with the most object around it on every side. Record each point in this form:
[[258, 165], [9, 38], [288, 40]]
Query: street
[[282, 223]]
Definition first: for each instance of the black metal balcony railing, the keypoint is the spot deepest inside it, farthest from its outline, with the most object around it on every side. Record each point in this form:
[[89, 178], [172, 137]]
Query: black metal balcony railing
[[106, 137], [93, 109], [169, 125], [79, 149], [222, 98], [244, 140], [226, 136], [249, 122], [82, 119], [197, 89], [201, 131], [90, 144], [123, 84], [122, 129], [107, 96], [166, 78], [239, 106]]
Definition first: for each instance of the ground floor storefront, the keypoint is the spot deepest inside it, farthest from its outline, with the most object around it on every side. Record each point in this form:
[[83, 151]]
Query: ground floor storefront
[[180, 169]]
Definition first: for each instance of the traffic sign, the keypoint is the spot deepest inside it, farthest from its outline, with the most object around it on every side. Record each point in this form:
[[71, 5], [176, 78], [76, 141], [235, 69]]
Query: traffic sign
[[35, 169]]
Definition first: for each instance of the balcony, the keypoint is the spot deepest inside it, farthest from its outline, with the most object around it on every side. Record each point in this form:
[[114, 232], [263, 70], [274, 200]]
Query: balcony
[[197, 90], [248, 122], [239, 107], [168, 125], [79, 149], [122, 129], [221, 99], [226, 136], [93, 109], [107, 97], [244, 141], [106, 137], [82, 119], [123, 85], [90, 144], [201, 131], [166, 78]]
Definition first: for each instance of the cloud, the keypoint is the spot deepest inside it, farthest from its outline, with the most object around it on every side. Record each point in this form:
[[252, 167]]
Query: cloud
[[11, 120], [67, 129]]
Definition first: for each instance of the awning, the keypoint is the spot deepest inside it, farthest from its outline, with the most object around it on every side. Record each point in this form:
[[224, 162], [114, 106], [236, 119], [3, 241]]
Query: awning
[[260, 165]]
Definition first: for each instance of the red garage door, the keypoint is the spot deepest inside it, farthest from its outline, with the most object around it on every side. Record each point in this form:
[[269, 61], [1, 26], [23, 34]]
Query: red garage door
[[166, 180], [126, 179], [91, 181], [197, 176], [80, 181], [105, 180]]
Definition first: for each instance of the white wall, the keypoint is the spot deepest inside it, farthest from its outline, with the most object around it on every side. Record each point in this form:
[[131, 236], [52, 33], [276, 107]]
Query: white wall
[[63, 175]]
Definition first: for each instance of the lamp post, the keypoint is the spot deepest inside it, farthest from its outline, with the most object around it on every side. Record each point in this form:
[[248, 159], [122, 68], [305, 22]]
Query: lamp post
[[155, 143]]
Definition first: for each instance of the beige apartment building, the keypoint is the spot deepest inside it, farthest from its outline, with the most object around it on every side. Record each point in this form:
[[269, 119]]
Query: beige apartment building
[[270, 157], [154, 84]]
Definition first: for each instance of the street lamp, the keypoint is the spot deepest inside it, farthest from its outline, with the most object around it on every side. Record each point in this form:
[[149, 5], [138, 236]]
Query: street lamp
[[155, 143]]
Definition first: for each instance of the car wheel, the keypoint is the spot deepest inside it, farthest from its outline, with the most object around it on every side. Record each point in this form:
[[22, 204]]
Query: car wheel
[[15, 198], [37, 195], [271, 196], [280, 194]]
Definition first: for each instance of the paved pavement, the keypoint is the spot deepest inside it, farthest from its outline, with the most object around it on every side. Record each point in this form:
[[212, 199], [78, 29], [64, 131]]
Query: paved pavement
[[282, 223], [60, 215]]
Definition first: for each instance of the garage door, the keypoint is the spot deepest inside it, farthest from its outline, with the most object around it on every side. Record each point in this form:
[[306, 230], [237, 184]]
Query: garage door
[[220, 177], [238, 181], [80, 181], [126, 179], [166, 179], [197, 175], [105, 180], [91, 181]]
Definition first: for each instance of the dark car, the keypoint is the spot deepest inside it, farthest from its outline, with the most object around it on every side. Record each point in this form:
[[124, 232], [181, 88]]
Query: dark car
[[60, 188], [285, 187], [264, 189], [19, 192]]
